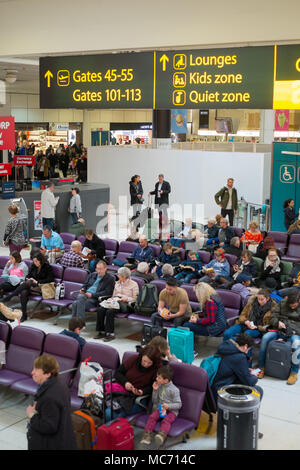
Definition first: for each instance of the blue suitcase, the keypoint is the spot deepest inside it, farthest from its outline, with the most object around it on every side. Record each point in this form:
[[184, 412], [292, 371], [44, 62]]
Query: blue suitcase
[[181, 342]]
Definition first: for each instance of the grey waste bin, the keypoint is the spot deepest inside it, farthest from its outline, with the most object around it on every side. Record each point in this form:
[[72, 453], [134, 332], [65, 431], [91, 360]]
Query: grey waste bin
[[237, 428]]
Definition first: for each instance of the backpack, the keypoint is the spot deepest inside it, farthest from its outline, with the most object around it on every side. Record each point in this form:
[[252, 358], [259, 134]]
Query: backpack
[[147, 301], [150, 331], [211, 365]]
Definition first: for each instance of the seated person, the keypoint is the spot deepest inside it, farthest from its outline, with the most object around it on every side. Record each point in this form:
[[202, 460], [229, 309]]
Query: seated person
[[252, 237], [14, 272], [40, 272], [185, 234], [98, 284], [211, 232], [75, 327], [92, 261], [162, 344], [143, 252], [189, 269], [143, 271], [225, 233], [72, 258], [211, 320], [52, 245], [263, 247], [78, 228], [255, 317], [271, 275], [175, 300], [167, 396], [136, 375], [196, 242], [245, 269], [167, 272], [127, 291], [216, 268], [92, 242], [285, 319], [235, 248], [169, 255], [293, 279], [234, 367], [294, 228]]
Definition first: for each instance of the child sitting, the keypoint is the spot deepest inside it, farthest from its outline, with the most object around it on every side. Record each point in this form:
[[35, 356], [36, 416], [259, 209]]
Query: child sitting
[[166, 405], [189, 268], [76, 326], [216, 268]]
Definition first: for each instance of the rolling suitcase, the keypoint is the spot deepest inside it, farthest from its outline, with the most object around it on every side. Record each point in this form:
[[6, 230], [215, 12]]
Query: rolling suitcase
[[116, 435], [181, 342], [278, 359], [84, 425]]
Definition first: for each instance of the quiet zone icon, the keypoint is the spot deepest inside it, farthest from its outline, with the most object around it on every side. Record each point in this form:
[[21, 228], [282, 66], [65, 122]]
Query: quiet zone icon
[[63, 78], [179, 97]]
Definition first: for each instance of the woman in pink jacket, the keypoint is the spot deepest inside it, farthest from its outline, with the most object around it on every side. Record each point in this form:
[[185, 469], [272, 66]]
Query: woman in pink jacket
[[126, 291]]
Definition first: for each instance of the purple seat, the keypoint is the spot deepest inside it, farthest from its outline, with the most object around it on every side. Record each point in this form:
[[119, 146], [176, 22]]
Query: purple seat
[[204, 256], [106, 356], [281, 240], [293, 251], [81, 239], [75, 275], [25, 346], [28, 262], [58, 272], [3, 261], [238, 231], [138, 280], [125, 250], [232, 304], [5, 332], [70, 289], [111, 249], [160, 284], [67, 238], [193, 384], [156, 249], [66, 351]]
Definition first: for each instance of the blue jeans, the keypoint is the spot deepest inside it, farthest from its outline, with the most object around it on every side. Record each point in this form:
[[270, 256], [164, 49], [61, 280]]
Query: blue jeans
[[235, 330], [197, 329], [49, 222], [267, 338], [74, 217]]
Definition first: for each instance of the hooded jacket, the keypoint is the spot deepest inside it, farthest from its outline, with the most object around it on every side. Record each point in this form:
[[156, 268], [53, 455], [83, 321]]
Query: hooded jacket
[[233, 368]]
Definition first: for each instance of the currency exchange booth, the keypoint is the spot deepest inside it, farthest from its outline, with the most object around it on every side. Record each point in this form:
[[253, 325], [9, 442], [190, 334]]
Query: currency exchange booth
[[285, 181]]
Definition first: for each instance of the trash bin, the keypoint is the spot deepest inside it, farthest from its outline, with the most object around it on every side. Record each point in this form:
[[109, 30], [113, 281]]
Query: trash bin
[[237, 428]]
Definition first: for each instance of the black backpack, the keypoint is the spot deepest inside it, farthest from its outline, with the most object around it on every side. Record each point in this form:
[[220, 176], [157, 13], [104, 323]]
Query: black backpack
[[147, 301], [150, 331]]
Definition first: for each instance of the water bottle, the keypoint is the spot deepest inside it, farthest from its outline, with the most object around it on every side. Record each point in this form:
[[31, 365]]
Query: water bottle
[[162, 411], [62, 292]]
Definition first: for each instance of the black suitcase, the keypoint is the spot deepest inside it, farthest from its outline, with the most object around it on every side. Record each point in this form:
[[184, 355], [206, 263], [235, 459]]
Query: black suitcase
[[150, 331], [279, 359]]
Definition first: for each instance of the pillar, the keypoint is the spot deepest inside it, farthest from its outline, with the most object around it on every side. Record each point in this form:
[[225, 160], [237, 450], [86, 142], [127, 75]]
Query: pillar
[[161, 128], [267, 122]]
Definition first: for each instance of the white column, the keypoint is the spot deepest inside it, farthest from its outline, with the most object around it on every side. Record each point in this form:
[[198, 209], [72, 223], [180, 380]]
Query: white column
[[267, 122], [86, 129]]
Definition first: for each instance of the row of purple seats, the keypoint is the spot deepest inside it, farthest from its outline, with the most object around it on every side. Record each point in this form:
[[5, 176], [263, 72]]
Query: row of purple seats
[[24, 344], [195, 392]]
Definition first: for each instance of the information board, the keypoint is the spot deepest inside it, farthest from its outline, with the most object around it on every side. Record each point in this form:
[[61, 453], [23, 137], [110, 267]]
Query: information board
[[215, 78], [97, 81], [287, 77]]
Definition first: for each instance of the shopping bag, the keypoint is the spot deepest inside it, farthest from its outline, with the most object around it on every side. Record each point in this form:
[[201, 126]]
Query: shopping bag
[[91, 377]]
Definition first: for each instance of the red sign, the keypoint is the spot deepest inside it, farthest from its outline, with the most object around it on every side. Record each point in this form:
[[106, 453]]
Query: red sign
[[24, 160], [282, 119], [7, 133], [5, 169]]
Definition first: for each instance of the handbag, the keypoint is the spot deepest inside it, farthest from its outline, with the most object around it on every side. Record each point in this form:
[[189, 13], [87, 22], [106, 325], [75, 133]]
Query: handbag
[[253, 247], [110, 303], [48, 290]]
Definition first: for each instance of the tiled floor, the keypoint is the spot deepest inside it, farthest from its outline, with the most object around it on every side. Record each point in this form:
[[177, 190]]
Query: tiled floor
[[279, 418]]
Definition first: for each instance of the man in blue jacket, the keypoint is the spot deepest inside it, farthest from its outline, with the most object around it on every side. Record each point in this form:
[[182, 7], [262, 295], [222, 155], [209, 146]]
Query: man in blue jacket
[[234, 367]]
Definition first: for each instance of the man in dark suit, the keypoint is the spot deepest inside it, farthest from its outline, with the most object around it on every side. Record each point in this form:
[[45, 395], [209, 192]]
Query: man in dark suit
[[99, 283], [161, 192]]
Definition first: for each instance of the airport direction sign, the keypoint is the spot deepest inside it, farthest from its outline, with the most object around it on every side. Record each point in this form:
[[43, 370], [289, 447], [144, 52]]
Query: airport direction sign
[[97, 81]]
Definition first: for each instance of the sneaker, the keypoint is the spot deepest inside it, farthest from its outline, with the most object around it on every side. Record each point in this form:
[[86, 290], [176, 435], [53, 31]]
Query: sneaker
[[109, 337], [100, 335], [146, 439], [292, 379], [261, 374], [160, 438]]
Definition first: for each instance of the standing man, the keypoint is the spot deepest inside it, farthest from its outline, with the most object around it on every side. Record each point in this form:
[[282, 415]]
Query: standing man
[[49, 203], [161, 192], [227, 199]]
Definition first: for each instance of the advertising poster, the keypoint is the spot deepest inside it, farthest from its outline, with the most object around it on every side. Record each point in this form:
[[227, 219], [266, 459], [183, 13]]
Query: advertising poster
[[7, 133], [37, 215], [282, 120], [179, 119]]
